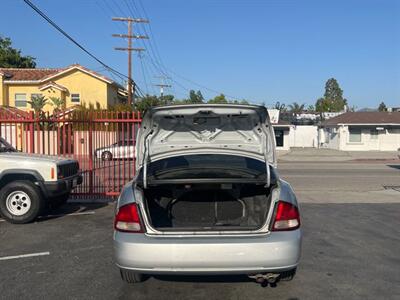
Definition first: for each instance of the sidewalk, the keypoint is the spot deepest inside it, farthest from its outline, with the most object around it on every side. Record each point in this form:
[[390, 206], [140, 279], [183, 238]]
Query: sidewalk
[[330, 155]]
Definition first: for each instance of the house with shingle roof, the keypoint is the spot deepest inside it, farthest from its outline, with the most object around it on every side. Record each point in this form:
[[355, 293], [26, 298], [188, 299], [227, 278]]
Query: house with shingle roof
[[362, 131], [74, 84]]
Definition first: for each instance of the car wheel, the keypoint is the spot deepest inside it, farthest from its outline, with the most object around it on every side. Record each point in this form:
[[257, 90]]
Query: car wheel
[[288, 275], [131, 277], [106, 156], [21, 202]]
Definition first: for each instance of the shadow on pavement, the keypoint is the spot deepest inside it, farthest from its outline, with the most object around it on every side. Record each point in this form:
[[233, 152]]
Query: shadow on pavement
[[212, 279], [394, 166], [71, 209], [204, 278]]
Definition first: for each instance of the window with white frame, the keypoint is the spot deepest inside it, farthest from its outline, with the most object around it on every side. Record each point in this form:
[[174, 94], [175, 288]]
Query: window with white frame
[[75, 98], [374, 134], [20, 100], [354, 135], [35, 96]]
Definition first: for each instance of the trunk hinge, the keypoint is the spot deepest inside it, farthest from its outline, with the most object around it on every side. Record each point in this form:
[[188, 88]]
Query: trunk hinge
[[268, 179], [145, 158]]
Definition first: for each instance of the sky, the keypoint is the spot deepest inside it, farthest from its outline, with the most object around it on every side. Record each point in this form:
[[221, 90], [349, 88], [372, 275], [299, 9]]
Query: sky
[[263, 51]]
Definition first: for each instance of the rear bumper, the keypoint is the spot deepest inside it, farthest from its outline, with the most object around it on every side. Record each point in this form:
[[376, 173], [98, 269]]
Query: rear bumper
[[275, 252], [62, 186]]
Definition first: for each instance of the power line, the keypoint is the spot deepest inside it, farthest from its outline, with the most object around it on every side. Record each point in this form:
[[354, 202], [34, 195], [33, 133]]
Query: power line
[[144, 76], [63, 32], [151, 31], [130, 36], [157, 61], [152, 38], [135, 11], [176, 82], [153, 55], [162, 85], [110, 8], [149, 73]]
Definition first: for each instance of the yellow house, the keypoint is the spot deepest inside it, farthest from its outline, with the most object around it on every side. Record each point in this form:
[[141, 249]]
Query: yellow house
[[75, 85]]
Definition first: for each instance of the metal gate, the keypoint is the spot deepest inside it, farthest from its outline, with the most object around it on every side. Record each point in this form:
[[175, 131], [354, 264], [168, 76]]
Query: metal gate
[[102, 141]]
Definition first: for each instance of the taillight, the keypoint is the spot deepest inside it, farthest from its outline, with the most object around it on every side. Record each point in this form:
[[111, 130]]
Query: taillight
[[287, 217], [128, 219]]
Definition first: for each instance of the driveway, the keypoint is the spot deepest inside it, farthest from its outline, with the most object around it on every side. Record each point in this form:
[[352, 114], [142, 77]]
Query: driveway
[[350, 247]]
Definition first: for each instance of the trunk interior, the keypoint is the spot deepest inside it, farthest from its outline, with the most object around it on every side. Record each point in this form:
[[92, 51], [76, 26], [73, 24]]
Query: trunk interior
[[207, 207]]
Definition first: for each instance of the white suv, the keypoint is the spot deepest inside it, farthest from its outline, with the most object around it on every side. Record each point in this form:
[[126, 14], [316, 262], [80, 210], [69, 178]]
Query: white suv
[[30, 183]]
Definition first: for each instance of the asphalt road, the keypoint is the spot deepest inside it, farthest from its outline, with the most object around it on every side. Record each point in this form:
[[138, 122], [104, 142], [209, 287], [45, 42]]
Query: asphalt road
[[350, 247], [343, 182]]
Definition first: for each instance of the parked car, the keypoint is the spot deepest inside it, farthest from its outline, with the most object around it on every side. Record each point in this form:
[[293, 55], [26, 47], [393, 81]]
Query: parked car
[[29, 183], [124, 149], [207, 198]]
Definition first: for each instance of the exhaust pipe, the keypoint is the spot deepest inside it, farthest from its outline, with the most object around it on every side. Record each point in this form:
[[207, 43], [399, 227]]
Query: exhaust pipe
[[260, 280], [271, 278]]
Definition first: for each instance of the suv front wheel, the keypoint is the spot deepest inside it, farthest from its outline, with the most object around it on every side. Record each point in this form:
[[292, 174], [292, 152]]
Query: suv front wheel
[[20, 202]]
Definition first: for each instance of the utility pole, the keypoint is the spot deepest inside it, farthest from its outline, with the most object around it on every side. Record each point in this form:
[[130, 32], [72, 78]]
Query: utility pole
[[130, 36], [162, 85]]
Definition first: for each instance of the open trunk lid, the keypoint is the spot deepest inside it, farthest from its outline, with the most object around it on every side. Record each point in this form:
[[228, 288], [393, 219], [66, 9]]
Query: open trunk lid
[[243, 130]]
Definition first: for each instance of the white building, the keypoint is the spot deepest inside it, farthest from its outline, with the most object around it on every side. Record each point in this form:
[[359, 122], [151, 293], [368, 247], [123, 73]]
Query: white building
[[281, 129], [288, 135], [282, 135], [362, 131]]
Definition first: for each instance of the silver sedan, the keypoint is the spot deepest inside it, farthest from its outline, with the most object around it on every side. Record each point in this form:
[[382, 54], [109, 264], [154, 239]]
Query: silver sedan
[[207, 198]]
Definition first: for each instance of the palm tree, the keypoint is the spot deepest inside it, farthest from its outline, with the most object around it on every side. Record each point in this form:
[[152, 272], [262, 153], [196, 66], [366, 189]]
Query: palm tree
[[37, 103], [57, 103], [296, 108], [280, 107]]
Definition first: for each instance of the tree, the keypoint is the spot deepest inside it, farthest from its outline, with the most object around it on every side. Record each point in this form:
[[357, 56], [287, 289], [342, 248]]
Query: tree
[[12, 58], [322, 105], [168, 99], [296, 108], [311, 108], [57, 103], [195, 97], [243, 101], [220, 99], [147, 102], [279, 106], [37, 103], [382, 106], [333, 98]]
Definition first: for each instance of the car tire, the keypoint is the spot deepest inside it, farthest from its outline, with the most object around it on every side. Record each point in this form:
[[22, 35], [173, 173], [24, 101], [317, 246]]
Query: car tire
[[21, 202], [288, 275], [106, 156], [131, 277]]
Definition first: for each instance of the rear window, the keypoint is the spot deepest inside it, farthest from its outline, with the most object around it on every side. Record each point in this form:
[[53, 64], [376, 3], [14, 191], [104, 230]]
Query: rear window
[[219, 165]]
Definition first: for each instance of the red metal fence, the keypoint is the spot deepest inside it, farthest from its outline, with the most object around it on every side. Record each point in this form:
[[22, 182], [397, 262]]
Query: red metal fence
[[102, 141]]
